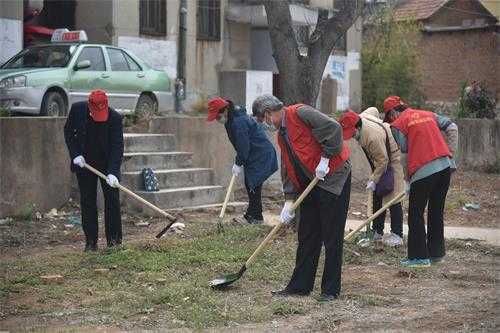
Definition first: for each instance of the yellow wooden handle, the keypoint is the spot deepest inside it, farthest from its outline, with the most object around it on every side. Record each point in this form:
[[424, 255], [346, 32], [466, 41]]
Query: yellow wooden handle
[[273, 232], [394, 200], [228, 195], [132, 194]]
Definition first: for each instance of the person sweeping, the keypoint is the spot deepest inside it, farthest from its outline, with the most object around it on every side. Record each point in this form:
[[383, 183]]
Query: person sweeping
[[387, 178], [94, 134], [311, 146], [428, 167], [255, 154]]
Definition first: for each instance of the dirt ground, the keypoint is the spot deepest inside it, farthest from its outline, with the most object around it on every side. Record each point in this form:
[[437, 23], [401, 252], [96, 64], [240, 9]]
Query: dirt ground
[[151, 284], [466, 187]]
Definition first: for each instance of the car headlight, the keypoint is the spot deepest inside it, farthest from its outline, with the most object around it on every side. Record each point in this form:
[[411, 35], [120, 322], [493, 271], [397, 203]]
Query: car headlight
[[13, 81]]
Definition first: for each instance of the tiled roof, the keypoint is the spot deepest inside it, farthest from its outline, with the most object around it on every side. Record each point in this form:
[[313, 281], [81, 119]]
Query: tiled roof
[[418, 9]]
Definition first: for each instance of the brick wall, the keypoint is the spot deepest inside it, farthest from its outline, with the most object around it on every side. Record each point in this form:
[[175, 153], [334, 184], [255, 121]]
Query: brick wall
[[448, 58]]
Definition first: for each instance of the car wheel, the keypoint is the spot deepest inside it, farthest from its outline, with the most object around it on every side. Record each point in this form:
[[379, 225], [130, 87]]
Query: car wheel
[[146, 106], [53, 105]]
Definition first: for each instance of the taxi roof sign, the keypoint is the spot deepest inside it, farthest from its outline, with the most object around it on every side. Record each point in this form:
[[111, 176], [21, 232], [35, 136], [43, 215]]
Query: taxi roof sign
[[66, 36]]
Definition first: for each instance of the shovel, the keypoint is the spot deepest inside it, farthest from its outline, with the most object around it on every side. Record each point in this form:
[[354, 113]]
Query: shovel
[[220, 228], [394, 200], [138, 198], [228, 279]]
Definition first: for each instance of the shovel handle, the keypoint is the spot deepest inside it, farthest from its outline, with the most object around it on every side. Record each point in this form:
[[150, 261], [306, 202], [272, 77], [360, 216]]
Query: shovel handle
[[132, 194], [273, 232], [228, 195], [394, 200]]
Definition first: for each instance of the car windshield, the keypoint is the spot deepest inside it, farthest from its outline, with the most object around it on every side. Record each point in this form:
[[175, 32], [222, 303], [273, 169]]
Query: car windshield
[[42, 57]]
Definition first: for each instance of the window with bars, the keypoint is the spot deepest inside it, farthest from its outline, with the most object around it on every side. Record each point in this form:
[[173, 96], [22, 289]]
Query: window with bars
[[153, 17], [209, 20]]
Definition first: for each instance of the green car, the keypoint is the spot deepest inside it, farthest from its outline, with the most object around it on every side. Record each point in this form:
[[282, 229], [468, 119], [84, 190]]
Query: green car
[[47, 79]]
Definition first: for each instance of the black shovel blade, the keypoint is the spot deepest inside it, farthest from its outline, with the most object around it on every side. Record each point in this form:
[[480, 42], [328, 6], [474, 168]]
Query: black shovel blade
[[164, 230], [227, 280]]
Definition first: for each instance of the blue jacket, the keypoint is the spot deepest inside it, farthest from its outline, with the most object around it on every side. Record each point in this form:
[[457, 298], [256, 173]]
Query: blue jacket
[[254, 151]]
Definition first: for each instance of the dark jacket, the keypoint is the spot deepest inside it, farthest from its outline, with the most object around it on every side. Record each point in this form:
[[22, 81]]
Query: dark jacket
[[75, 131], [254, 151]]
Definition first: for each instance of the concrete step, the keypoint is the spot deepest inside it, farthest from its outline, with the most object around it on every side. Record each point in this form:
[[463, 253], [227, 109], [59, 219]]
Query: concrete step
[[156, 160], [176, 197], [171, 178], [145, 142]]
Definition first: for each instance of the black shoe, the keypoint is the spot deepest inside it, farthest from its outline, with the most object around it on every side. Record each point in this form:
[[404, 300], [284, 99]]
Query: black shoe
[[324, 298], [91, 247], [251, 220], [114, 243], [435, 260], [288, 293]]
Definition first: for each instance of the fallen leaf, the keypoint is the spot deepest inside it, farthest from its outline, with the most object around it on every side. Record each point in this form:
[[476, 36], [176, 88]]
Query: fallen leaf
[[52, 278]]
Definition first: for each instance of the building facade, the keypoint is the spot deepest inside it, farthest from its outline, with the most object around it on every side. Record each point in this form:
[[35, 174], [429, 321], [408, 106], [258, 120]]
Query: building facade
[[222, 36]]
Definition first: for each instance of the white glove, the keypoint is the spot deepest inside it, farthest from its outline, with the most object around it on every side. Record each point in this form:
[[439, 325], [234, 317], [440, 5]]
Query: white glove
[[370, 185], [237, 169], [287, 215], [112, 180], [79, 160], [322, 169]]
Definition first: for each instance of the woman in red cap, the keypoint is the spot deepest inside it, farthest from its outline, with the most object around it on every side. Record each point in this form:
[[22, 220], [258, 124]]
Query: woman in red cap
[[428, 168], [382, 152], [255, 154], [94, 135]]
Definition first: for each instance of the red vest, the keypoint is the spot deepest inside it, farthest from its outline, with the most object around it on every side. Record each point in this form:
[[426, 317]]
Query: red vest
[[424, 139], [305, 146]]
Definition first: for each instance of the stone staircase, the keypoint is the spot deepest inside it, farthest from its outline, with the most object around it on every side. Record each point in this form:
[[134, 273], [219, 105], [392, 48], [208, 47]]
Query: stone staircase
[[181, 184]]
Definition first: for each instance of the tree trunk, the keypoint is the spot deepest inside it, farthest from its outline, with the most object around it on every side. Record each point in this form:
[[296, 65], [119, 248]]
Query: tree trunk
[[301, 75]]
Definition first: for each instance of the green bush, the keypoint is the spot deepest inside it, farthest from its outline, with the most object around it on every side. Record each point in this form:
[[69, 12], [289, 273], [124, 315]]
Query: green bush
[[475, 101], [389, 61], [4, 112]]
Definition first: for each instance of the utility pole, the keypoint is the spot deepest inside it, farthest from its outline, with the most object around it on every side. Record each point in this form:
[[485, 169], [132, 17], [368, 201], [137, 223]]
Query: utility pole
[[180, 81]]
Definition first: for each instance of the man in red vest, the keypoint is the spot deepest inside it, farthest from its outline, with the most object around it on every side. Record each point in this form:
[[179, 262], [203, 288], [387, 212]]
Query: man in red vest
[[311, 146], [428, 169]]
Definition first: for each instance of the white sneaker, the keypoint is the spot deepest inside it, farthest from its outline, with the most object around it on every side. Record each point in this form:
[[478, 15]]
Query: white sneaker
[[393, 240], [377, 237]]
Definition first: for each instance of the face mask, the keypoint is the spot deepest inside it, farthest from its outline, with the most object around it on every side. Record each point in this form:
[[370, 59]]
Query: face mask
[[222, 119], [269, 126]]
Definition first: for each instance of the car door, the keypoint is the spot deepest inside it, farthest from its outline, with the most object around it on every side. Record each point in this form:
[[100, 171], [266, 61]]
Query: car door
[[83, 81], [127, 79]]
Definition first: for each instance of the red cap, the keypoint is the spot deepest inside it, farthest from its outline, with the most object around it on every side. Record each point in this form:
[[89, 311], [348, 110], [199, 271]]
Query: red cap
[[98, 106], [391, 102], [214, 106], [348, 121]]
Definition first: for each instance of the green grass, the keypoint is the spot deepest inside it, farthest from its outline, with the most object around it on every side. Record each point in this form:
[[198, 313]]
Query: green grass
[[164, 283], [164, 279]]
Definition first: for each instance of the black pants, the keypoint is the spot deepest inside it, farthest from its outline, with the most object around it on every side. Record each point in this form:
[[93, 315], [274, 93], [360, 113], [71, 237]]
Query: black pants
[[87, 182], [254, 209], [396, 217], [431, 192], [322, 221]]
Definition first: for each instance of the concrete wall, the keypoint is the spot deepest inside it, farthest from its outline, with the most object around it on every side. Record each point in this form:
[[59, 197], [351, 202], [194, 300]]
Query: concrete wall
[[34, 164], [11, 29], [479, 143], [212, 149]]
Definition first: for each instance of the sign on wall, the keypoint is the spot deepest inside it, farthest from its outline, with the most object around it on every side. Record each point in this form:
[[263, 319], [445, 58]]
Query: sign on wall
[[159, 54], [339, 68], [11, 38]]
